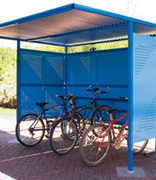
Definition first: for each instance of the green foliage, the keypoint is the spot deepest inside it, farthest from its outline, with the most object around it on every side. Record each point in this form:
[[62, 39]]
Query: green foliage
[[84, 48], [7, 64], [42, 47], [99, 46]]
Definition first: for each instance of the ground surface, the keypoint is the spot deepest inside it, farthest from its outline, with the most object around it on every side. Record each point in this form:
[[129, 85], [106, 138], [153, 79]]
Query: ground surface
[[40, 163]]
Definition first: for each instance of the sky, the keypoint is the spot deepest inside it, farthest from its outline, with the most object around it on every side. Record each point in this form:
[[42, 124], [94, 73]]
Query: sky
[[14, 9]]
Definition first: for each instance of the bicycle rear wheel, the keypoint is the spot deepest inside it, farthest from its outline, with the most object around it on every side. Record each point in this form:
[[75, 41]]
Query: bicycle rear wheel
[[100, 115], [29, 130], [63, 136], [139, 147], [90, 151]]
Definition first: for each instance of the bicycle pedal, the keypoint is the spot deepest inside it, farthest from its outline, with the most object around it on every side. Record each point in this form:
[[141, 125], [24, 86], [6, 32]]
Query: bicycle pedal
[[47, 135]]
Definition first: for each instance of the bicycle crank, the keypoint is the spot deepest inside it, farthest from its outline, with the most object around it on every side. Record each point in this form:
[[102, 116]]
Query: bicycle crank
[[117, 143]]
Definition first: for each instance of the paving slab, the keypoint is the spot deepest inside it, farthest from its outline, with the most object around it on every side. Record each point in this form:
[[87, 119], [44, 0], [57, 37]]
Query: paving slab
[[137, 172]]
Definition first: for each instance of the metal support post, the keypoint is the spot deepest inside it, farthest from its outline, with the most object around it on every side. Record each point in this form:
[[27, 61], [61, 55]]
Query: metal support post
[[130, 100], [18, 81]]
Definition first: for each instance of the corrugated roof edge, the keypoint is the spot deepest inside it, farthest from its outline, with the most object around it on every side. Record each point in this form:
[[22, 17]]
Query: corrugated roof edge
[[39, 15], [70, 7], [114, 15]]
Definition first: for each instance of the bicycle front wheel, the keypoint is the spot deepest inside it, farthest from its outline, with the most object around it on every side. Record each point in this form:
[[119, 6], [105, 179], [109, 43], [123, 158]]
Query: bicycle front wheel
[[91, 152], [30, 130], [63, 136]]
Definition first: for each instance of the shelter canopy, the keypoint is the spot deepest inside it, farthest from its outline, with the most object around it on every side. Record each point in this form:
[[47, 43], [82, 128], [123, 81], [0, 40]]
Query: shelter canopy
[[73, 24]]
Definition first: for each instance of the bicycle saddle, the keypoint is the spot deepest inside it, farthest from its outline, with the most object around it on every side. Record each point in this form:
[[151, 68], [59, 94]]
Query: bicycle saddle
[[42, 104], [109, 111]]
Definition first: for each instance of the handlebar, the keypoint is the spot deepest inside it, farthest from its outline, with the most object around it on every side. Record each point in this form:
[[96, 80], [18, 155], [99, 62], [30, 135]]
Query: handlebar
[[96, 90], [66, 98], [125, 98]]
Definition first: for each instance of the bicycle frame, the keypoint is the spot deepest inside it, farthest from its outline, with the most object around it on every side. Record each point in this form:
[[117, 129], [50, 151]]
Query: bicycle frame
[[111, 127], [84, 107], [93, 108], [43, 115]]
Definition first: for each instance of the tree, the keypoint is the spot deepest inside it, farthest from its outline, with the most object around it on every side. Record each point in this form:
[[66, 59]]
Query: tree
[[7, 64]]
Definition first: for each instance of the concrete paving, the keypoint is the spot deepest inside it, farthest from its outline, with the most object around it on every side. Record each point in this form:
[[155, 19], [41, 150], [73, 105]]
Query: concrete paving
[[40, 163]]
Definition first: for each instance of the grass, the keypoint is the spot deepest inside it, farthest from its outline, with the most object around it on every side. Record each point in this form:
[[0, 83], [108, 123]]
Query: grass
[[7, 112], [7, 120]]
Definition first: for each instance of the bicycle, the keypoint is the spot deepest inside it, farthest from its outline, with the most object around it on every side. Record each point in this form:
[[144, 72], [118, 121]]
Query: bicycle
[[66, 131], [31, 128], [95, 146]]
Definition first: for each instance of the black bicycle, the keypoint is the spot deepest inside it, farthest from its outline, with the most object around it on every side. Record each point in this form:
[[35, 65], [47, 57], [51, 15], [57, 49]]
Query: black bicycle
[[31, 128], [66, 131]]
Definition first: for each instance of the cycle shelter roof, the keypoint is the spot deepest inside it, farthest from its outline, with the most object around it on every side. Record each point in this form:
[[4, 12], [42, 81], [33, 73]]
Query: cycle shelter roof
[[73, 24]]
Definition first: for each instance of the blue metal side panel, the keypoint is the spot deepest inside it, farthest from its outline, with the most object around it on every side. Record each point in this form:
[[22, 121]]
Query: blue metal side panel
[[81, 68], [144, 93], [113, 67]]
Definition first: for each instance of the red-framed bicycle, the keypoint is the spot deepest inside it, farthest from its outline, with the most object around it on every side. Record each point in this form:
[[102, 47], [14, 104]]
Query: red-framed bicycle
[[97, 140]]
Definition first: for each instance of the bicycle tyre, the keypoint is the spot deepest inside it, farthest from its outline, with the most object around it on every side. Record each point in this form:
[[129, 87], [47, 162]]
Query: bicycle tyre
[[63, 136], [139, 147], [78, 118], [91, 154], [24, 135], [97, 115]]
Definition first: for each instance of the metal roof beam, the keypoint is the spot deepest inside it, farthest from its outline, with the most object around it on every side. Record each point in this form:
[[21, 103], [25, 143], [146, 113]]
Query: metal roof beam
[[97, 42]]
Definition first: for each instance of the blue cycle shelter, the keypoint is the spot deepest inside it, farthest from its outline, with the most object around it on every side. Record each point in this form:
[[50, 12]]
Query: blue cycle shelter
[[128, 71]]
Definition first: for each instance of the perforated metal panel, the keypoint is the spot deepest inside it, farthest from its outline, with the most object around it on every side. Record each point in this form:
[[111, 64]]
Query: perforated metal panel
[[81, 68], [112, 67], [53, 69], [29, 95], [41, 77], [144, 94], [31, 67]]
